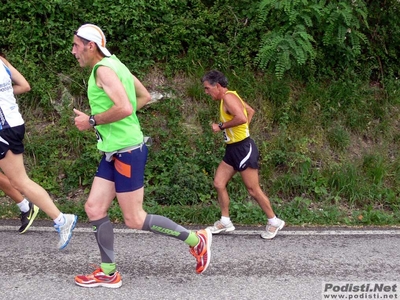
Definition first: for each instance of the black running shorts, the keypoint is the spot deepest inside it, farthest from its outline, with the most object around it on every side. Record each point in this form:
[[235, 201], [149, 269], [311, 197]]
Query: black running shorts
[[11, 139], [242, 155]]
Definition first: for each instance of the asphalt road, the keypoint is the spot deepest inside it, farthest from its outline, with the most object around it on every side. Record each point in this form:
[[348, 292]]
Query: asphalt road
[[297, 264]]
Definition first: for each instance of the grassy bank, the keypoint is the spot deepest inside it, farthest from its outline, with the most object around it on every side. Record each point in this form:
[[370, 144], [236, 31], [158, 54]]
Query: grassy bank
[[329, 152]]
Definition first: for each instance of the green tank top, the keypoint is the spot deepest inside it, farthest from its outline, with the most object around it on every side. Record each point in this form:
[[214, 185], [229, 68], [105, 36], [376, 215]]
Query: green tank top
[[123, 133]]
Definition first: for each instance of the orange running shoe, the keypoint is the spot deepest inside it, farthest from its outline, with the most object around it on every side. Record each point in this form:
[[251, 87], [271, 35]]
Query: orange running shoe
[[202, 251], [98, 278]]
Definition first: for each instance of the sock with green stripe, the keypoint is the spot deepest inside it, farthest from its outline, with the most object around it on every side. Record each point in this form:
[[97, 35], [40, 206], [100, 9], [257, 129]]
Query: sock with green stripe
[[103, 231], [108, 268]]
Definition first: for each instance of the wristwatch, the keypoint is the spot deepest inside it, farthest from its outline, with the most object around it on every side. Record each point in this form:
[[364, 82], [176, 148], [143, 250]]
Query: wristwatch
[[92, 121], [220, 124]]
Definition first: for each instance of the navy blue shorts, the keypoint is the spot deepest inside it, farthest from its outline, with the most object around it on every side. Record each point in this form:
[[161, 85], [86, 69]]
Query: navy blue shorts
[[242, 155], [11, 139], [126, 169]]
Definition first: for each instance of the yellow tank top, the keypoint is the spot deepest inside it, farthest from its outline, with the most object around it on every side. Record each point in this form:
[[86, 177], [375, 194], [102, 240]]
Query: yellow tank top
[[237, 133]]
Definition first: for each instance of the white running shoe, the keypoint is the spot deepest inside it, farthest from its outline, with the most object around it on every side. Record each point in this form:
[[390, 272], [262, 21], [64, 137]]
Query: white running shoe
[[219, 227], [65, 231], [271, 231]]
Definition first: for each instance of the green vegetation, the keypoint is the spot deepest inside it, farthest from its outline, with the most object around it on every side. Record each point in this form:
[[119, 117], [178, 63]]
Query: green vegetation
[[322, 78]]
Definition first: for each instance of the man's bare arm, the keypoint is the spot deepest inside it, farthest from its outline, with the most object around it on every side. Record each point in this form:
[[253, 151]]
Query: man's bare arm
[[20, 84], [142, 94], [250, 112]]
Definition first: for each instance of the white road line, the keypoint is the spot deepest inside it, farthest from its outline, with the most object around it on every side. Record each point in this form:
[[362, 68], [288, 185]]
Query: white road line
[[341, 232], [286, 232]]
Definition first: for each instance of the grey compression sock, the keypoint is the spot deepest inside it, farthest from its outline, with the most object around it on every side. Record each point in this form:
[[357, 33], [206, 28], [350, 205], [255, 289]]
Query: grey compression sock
[[103, 231], [163, 225]]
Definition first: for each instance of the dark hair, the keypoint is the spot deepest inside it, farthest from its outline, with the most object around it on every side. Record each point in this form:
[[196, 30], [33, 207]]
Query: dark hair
[[213, 77]]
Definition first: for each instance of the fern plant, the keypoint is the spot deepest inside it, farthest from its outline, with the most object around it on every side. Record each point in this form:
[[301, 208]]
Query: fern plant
[[343, 21], [288, 42], [301, 30], [283, 48]]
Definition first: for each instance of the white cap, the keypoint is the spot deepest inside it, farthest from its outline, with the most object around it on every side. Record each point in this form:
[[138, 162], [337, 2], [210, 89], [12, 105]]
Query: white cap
[[93, 33]]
